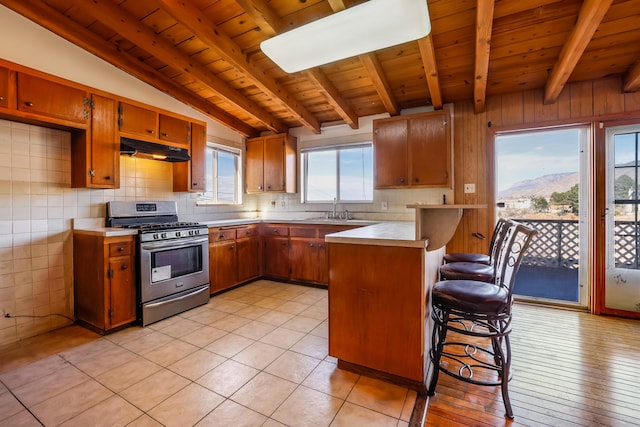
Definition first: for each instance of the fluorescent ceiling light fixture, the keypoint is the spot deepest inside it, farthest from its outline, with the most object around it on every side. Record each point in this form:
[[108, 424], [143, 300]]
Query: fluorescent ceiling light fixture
[[364, 28]]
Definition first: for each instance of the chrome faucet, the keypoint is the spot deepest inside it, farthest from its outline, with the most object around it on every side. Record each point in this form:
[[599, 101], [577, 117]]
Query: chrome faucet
[[333, 213]]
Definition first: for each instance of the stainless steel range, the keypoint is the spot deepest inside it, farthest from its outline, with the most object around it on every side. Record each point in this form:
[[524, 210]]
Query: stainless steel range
[[173, 257]]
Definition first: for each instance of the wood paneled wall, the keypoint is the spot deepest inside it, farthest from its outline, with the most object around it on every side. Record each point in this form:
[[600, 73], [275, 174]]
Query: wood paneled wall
[[582, 102]]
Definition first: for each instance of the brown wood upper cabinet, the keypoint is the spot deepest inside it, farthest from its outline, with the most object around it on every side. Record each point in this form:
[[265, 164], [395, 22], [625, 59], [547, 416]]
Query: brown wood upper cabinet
[[95, 154], [48, 98], [413, 151], [173, 129], [271, 164], [4, 87], [190, 176], [136, 120]]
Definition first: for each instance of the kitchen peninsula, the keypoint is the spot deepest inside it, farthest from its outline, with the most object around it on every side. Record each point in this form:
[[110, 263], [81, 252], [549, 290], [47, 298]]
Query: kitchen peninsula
[[379, 281]]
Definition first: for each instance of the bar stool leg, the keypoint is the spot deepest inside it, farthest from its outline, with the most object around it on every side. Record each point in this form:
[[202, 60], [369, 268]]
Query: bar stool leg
[[438, 337]]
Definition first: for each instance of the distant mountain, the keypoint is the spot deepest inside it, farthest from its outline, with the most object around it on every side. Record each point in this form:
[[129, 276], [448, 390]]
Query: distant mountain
[[542, 186]]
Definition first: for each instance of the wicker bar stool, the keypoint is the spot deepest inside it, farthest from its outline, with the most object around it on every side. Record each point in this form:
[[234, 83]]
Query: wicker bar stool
[[471, 266], [478, 316]]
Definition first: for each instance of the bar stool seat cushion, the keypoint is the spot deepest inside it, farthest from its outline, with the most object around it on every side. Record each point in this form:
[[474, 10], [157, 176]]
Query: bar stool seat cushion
[[467, 257], [467, 271], [470, 296]]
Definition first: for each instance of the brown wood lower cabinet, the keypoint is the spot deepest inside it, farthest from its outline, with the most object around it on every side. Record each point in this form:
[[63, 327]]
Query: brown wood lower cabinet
[[104, 271], [234, 256]]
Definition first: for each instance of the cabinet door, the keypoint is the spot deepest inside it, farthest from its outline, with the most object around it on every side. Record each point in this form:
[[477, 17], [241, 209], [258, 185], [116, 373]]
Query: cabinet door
[[274, 166], [276, 257], [190, 176], [122, 291], [254, 169], [4, 87], [137, 120], [104, 170], [174, 130], [249, 258], [44, 97], [322, 262], [429, 144], [390, 153], [222, 265]]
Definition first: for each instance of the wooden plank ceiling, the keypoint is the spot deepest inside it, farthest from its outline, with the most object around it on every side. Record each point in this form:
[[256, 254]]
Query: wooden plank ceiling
[[206, 53]]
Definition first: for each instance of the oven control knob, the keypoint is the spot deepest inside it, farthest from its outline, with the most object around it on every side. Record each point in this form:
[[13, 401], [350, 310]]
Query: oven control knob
[[155, 236], [196, 232], [177, 234], [163, 235]]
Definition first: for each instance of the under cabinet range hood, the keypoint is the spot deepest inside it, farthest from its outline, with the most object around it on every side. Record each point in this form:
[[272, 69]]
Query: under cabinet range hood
[[153, 151]]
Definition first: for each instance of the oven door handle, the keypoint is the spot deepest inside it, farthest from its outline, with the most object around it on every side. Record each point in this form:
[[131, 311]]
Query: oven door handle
[[173, 244], [181, 297]]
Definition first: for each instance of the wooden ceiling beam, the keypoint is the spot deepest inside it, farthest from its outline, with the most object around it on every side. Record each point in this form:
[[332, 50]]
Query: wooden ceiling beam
[[206, 31], [49, 18], [130, 28], [632, 79], [589, 18], [428, 55], [484, 25]]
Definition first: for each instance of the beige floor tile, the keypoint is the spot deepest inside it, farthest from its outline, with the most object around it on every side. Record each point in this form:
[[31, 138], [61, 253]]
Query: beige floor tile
[[144, 421], [230, 413], [403, 423], [180, 327], [247, 298], [229, 345], [47, 387], [379, 396], [302, 324], [282, 337], [197, 364], [154, 389], [273, 423], [329, 379], [187, 407], [109, 359], [209, 316], [264, 393], [307, 407], [230, 323], [313, 346], [204, 336], [226, 305], [290, 292], [293, 307], [127, 374], [21, 419], [254, 330], [170, 352], [353, 415], [270, 303], [88, 351], [322, 330], [114, 411], [276, 318], [57, 409], [227, 378], [147, 343], [131, 333], [258, 355], [315, 312], [253, 312], [33, 371], [309, 297], [409, 403], [292, 366]]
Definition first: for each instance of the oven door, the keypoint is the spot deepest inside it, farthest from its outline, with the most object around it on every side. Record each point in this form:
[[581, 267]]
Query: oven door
[[172, 266]]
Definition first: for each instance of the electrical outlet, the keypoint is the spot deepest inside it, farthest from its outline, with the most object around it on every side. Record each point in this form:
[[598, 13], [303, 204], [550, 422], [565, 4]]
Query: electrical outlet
[[469, 188], [384, 206]]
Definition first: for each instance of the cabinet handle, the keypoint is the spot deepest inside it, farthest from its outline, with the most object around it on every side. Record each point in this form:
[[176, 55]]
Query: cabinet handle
[[194, 184], [416, 179], [165, 134], [29, 104], [151, 131], [259, 187], [268, 187], [402, 180], [125, 266], [232, 247], [107, 177], [1, 98], [120, 249]]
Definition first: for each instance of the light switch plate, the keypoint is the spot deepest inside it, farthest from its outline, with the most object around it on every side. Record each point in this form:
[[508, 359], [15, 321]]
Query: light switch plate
[[384, 206], [469, 188]]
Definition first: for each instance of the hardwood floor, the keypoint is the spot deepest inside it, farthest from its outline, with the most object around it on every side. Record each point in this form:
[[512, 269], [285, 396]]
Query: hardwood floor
[[570, 368]]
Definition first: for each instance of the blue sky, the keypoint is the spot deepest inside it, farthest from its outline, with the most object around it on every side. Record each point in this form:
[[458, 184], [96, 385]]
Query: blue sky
[[524, 156]]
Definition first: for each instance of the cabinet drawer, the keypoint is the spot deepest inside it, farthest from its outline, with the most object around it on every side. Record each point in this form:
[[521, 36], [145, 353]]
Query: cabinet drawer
[[303, 232], [221, 234], [323, 231], [44, 97], [276, 230], [249, 231], [119, 249]]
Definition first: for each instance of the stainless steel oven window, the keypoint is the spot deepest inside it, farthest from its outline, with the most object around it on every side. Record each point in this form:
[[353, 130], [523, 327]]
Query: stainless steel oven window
[[177, 262]]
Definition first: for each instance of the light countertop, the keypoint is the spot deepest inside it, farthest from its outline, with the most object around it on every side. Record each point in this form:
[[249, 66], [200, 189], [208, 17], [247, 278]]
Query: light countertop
[[392, 233]]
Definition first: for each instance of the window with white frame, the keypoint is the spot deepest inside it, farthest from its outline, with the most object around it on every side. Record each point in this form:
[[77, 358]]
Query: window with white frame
[[343, 173], [222, 168]]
